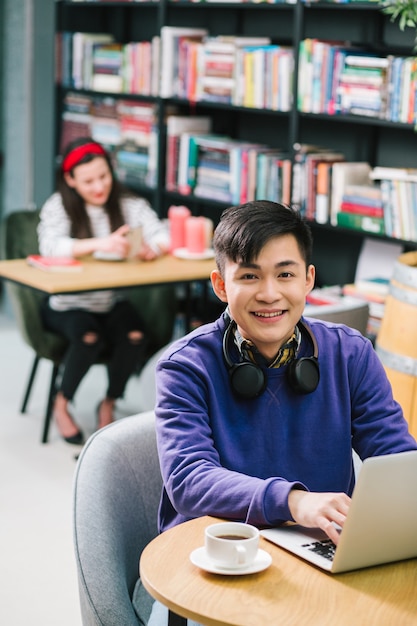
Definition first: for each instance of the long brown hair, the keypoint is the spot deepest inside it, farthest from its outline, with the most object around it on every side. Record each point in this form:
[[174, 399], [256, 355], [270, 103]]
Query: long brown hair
[[75, 205]]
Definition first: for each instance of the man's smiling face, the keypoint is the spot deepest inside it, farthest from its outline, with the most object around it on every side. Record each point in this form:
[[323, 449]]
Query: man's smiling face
[[266, 297]]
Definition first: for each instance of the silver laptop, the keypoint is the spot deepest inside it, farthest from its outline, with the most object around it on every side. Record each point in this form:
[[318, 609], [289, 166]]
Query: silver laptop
[[381, 525]]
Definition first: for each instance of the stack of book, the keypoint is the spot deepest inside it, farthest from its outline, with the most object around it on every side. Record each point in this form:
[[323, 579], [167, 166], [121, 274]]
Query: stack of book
[[272, 176], [246, 71], [107, 65], [336, 77], [402, 88], [231, 171], [343, 175], [216, 78], [127, 128], [399, 199], [362, 85], [105, 124], [308, 191], [319, 64], [75, 57], [176, 61], [362, 209], [178, 125], [239, 70], [265, 75], [136, 156], [374, 291], [95, 61], [141, 67], [54, 264], [76, 119], [216, 169]]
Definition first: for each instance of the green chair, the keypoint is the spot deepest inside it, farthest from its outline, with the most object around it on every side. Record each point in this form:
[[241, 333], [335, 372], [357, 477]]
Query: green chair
[[157, 305]]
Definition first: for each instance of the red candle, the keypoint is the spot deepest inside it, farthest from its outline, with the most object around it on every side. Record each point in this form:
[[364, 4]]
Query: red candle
[[195, 234], [176, 217]]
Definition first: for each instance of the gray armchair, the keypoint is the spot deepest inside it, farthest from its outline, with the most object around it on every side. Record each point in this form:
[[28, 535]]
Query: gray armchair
[[116, 495]]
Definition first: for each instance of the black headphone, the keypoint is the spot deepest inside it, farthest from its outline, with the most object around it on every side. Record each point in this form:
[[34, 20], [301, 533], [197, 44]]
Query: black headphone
[[248, 379]]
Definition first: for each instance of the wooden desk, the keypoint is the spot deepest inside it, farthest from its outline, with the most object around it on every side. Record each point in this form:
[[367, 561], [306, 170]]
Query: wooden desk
[[289, 593], [107, 274]]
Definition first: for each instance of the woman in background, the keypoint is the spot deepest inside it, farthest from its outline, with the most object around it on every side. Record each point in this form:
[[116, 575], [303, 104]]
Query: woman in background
[[91, 214]]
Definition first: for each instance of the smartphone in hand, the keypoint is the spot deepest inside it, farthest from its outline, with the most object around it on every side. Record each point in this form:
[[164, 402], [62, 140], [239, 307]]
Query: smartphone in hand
[[135, 239]]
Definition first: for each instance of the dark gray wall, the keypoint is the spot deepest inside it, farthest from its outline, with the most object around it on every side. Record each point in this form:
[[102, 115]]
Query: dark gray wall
[[28, 107]]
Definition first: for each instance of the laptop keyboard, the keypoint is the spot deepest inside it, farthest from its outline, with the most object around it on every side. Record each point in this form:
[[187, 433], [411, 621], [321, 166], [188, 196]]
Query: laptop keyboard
[[325, 548]]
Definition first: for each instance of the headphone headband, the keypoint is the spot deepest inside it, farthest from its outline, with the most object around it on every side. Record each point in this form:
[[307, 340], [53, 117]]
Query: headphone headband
[[248, 380]]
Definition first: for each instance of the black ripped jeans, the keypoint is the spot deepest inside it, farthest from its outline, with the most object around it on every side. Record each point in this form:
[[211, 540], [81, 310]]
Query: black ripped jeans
[[112, 341]]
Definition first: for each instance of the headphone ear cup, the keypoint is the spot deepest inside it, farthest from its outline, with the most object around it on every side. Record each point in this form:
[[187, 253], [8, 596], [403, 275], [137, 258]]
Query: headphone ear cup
[[247, 380], [304, 375]]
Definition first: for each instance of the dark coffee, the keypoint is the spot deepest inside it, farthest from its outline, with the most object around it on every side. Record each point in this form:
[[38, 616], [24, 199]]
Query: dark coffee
[[234, 537]]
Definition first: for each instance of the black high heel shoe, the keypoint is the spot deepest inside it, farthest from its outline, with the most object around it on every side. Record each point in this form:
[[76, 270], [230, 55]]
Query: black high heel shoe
[[77, 439]]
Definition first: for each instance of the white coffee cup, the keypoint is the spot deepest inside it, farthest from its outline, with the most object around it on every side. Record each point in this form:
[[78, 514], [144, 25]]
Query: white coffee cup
[[231, 544]]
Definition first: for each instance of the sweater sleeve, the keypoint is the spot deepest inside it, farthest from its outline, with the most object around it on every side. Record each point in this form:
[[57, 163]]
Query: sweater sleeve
[[54, 229], [138, 212], [196, 481]]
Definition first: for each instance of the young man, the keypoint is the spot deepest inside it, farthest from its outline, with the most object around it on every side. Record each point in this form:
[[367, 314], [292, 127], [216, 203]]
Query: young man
[[258, 412]]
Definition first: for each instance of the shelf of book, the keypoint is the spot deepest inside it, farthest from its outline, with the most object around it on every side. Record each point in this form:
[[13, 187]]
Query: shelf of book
[[258, 120]]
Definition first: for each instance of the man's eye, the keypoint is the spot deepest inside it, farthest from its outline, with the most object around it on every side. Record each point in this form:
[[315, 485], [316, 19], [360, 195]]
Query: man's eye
[[285, 275], [248, 276]]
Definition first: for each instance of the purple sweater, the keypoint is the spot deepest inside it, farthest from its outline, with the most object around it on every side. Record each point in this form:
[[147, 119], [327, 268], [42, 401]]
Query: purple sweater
[[238, 459]]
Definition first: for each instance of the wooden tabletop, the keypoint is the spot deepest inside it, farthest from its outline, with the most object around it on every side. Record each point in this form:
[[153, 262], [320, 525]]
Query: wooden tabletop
[[289, 593], [107, 274]]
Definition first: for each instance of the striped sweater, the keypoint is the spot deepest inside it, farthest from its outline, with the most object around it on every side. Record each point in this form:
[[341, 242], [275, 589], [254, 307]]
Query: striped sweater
[[55, 240]]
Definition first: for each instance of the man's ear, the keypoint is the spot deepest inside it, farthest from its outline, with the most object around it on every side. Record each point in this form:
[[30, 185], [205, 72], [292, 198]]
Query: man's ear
[[218, 285], [311, 278]]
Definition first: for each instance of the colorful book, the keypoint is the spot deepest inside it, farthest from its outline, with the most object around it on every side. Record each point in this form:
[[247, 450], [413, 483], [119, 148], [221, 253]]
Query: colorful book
[[54, 264], [366, 223], [176, 126], [376, 284], [170, 37], [343, 174]]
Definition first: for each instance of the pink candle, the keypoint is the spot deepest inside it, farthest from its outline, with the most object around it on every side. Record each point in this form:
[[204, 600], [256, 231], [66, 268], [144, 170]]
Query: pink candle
[[177, 216], [195, 234]]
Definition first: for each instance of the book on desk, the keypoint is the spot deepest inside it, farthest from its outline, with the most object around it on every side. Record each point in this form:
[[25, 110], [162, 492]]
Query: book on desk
[[54, 264]]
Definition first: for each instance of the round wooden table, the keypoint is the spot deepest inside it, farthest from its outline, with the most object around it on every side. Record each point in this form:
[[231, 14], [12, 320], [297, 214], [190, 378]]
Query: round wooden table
[[289, 593]]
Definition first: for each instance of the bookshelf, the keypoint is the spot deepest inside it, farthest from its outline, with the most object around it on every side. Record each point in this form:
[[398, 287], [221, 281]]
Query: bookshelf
[[359, 137]]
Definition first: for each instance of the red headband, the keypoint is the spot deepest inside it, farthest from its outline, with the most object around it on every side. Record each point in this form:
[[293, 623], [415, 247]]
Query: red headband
[[74, 157]]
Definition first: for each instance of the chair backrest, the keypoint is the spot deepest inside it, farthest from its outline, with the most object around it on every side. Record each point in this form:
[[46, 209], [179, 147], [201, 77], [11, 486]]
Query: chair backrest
[[19, 240], [146, 383], [157, 304], [353, 314], [20, 236], [117, 488]]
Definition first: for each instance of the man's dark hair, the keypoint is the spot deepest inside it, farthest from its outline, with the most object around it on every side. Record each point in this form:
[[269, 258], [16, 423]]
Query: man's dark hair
[[245, 229]]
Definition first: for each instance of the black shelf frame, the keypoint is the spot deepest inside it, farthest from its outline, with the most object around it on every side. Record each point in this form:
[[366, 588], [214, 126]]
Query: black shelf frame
[[295, 125]]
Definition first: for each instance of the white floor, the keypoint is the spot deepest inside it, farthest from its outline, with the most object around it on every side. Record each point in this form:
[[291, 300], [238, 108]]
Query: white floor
[[38, 584]]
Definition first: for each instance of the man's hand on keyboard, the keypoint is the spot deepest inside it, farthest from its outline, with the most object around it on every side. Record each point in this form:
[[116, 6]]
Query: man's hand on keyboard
[[319, 510]]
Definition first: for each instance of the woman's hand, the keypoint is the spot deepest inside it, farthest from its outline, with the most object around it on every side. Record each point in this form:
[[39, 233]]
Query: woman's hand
[[146, 253], [319, 510], [116, 243]]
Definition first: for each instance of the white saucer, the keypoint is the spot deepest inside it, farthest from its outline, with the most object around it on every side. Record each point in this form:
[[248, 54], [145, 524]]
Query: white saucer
[[183, 253], [107, 256], [199, 557]]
